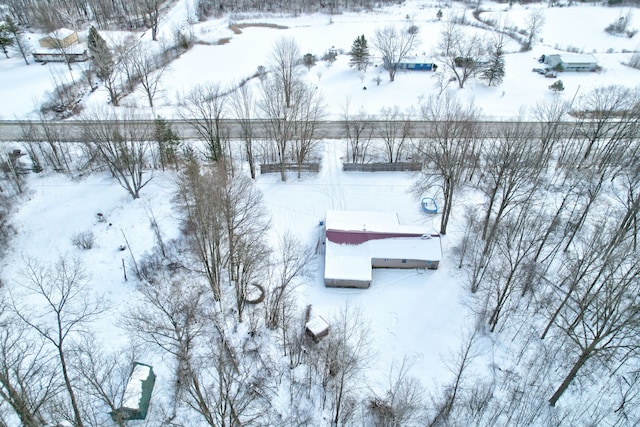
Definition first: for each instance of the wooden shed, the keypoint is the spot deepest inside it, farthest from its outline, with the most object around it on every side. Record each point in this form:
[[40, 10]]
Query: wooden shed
[[317, 328], [59, 39]]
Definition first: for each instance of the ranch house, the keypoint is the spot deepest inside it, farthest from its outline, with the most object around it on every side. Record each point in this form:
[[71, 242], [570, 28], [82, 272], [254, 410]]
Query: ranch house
[[357, 241], [572, 61]]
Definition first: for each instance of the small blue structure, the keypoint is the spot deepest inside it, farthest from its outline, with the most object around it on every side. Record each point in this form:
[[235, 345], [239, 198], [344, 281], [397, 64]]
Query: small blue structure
[[415, 63], [429, 205]]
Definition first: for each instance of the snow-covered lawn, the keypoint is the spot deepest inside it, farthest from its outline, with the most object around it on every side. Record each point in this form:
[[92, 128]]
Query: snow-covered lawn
[[578, 27]]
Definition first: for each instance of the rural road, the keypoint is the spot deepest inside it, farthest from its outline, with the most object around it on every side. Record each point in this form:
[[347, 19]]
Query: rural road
[[73, 131]]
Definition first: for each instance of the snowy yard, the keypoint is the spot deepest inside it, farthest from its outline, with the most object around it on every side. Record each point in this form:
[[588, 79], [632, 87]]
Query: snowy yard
[[421, 319]]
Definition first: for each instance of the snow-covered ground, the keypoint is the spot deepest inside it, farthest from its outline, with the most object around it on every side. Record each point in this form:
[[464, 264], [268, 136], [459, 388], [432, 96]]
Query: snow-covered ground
[[578, 27], [414, 314]]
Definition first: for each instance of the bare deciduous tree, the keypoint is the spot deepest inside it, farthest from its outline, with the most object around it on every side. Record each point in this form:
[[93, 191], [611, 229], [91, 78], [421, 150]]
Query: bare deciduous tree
[[534, 23], [286, 67], [243, 106], [28, 380], [123, 145], [59, 309], [449, 150], [460, 53], [394, 45], [204, 108], [394, 129], [358, 133]]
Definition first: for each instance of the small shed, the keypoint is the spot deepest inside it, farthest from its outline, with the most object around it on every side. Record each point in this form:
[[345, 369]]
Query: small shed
[[572, 61], [58, 39], [137, 394], [317, 328]]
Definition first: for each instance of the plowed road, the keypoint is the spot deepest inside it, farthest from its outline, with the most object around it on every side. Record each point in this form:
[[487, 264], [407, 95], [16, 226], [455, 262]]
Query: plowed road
[[73, 131]]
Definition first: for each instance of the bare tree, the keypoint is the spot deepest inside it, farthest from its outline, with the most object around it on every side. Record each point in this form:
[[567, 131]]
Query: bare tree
[[202, 222], [358, 132], [123, 145], [226, 390], [102, 379], [403, 402], [605, 320], [286, 67], [460, 53], [245, 224], [511, 174], [308, 111], [151, 12], [28, 380], [459, 366], [394, 129], [204, 108], [534, 23], [290, 266], [341, 358], [279, 123], [243, 107], [149, 68], [394, 45], [448, 151], [59, 309]]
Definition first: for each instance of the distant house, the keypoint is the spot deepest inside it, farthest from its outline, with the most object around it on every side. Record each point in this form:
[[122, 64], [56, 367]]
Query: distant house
[[62, 45], [357, 241], [415, 63], [571, 61], [137, 394], [58, 39]]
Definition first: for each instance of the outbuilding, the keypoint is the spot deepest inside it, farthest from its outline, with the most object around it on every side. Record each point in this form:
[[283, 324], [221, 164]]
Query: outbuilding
[[137, 394], [59, 39]]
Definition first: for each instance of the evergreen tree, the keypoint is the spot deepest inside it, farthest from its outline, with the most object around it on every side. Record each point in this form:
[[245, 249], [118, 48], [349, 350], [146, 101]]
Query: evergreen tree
[[168, 142], [6, 39], [20, 41], [100, 54], [493, 73], [557, 86], [359, 54]]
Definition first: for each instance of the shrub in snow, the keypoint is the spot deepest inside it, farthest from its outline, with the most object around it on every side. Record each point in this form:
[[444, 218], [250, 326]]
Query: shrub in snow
[[83, 240], [558, 86]]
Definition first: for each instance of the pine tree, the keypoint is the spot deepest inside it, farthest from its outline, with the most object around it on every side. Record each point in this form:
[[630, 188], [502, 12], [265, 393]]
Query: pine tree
[[100, 54], [557, 86], [21, 42], [494, 72], [359, 54], [6, 39]]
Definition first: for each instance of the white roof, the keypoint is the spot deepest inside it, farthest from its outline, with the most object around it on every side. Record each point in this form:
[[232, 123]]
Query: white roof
[[353, 262], [61, 33], [382, 222], [317, 325], [418, 59], [133, 392], [579, 58], [347, 262]]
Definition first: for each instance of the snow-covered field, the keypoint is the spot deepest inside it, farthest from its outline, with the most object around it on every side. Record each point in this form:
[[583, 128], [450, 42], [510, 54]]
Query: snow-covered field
[[227, 64], [411, 314]]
